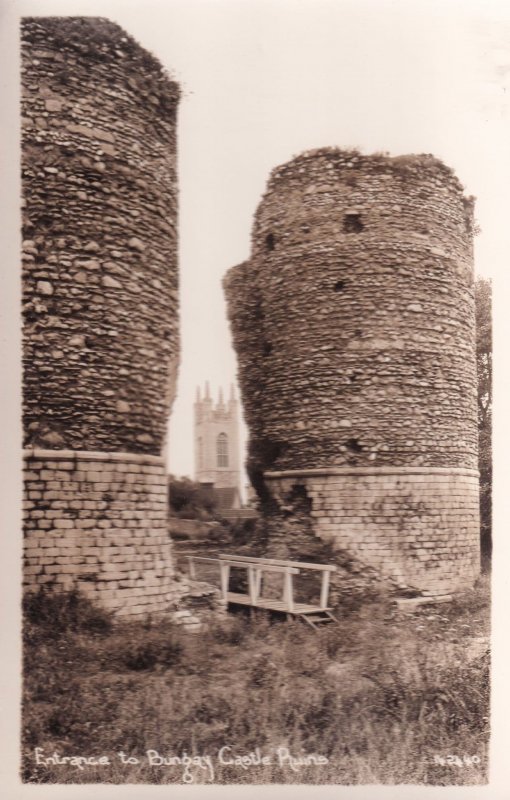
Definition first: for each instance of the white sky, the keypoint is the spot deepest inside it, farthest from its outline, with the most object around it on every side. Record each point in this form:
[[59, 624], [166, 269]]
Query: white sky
[[263, 80]]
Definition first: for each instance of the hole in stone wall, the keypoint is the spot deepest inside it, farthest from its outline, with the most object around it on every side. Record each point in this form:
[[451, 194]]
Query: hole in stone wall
[[268, 452], [258, 311], [354, 446], [353, 223], [299, 500], [267, 348], [264, 455], [296, 502], [270, 241], [339, 286], [358, 333], [298, 492]]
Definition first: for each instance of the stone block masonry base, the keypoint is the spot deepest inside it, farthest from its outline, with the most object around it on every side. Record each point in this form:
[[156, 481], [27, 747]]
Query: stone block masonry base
[[417, 526], [98, 522]]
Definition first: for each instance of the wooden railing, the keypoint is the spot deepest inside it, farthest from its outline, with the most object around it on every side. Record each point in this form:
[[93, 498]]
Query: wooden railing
[[255, 567]]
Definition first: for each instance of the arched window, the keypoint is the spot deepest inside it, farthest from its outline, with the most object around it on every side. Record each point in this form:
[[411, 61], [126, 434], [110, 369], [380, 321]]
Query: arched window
[[200, 453], [222, 450]]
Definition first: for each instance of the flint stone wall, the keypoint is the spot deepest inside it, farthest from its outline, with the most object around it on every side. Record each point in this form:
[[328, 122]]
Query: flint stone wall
[[354, 326], [100, 314], [100, 279]]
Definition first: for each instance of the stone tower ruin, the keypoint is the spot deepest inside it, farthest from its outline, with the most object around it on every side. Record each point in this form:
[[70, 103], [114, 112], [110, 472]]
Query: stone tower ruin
[[101, 343], [354, 327]]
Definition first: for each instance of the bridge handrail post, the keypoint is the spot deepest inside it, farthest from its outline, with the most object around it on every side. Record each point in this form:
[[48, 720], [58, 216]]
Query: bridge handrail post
[[288, 591], [258, 581], [224, 577], [324, 589], [252, 585]]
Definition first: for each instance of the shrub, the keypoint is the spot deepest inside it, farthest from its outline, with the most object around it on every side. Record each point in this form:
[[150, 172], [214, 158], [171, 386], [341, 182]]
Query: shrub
[[57, 613], [230, 631], [190, 500], [147, 654]]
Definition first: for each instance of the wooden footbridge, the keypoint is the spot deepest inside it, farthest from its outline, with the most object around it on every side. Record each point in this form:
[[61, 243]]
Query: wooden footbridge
[[313, 614]]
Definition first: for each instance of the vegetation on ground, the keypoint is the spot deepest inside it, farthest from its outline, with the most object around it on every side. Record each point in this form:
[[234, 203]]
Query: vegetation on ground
[[191, 500], [381, 697], [483, 298]]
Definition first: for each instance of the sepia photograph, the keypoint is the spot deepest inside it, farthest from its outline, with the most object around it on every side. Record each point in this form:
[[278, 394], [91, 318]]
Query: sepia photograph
[[253, 267]]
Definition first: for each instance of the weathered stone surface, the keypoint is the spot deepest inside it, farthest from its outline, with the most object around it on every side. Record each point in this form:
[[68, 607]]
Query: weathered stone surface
[[101, 352], [353, 322], [136, 244], [100, 269], [121, 530], [44, 287], [110, 283]]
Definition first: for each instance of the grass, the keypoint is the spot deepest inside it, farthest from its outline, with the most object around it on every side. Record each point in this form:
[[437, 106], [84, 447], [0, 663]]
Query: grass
[[382, 697]]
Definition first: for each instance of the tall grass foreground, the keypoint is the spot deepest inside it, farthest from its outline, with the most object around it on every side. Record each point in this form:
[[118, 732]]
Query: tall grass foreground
[[381, 697]]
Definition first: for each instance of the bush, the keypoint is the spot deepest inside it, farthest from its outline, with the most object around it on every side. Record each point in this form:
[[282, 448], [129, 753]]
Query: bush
[[153, 650], [230, 631], [58, 613], [190, 500]]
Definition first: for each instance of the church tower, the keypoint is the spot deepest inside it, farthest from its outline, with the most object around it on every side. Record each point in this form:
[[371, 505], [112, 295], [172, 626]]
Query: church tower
[[217, 447]]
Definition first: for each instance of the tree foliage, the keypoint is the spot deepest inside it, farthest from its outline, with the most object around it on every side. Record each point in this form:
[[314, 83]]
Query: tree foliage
[[483, 299], [483, 296], [190, 500]]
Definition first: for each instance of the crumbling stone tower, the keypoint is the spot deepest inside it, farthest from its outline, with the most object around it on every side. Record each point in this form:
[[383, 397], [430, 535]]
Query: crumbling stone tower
[[101, 342], [353, 322]]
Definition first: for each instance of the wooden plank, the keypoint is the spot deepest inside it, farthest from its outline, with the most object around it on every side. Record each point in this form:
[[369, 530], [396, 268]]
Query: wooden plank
[[244, 564], [281, 562], [271, 604], [263, 567]]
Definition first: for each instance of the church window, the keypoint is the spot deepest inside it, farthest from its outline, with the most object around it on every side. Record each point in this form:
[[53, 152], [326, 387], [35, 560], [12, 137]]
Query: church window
[[200, 453], [222, 450]]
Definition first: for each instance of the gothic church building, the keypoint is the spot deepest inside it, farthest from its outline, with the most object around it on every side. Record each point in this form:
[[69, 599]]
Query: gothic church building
[[217, 447]]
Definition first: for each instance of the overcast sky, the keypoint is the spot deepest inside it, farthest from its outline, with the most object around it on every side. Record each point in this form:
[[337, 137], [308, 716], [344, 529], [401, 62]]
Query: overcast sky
[[263, 80]]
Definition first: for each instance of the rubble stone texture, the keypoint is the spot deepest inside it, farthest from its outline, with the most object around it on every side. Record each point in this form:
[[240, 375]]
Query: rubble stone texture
[[353, 323], [100, 307]]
